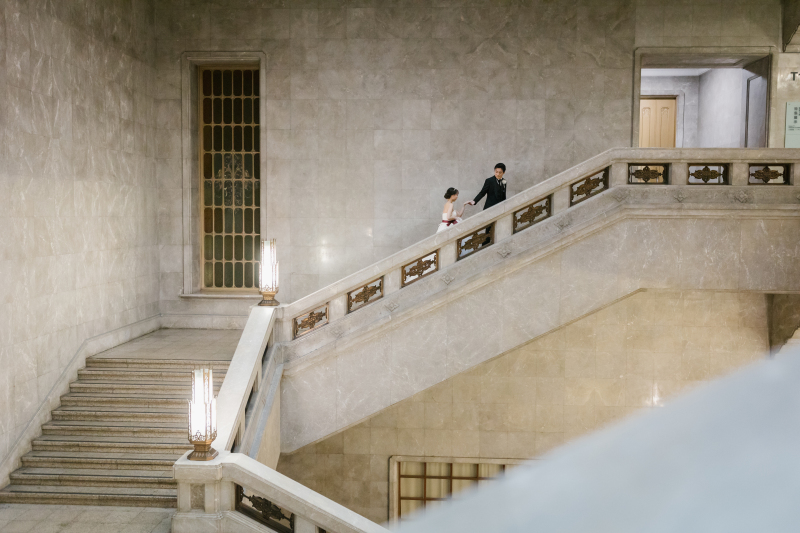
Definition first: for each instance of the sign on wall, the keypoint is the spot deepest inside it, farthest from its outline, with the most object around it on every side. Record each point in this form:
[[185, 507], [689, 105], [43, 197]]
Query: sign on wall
[[792, 125]]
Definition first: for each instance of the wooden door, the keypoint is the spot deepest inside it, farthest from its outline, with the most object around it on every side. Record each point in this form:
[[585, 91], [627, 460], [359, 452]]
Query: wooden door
[[657, 122]]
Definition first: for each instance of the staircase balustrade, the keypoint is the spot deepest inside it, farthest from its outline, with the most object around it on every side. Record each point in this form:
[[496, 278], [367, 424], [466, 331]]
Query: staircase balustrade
[[620, 168]]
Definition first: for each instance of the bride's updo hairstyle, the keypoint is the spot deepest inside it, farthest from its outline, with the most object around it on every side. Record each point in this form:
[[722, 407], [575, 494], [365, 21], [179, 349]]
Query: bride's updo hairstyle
[[450, 192]]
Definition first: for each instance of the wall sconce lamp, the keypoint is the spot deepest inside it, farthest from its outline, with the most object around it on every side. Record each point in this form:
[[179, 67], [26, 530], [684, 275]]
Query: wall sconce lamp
[[202, 415], [269, 273]]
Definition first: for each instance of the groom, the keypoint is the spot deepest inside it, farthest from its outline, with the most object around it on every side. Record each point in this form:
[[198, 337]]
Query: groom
[[494, 188]]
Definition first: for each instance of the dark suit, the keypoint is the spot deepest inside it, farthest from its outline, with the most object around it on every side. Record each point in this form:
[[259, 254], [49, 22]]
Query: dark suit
[[493, 190]]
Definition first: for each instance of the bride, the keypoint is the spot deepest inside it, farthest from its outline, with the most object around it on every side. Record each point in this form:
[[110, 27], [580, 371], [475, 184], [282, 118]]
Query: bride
[[449, 214]]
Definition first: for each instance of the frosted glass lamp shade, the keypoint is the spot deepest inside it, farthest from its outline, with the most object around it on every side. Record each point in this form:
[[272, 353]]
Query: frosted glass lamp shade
[[202, 415], [269, 273]]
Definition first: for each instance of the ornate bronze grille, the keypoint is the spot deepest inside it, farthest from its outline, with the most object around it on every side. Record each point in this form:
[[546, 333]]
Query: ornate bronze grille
[[708, 174], [588, 187], [310, 321], [533, 213], [264, 511], [230, 186], [416, 270], [475, 241], [648, 174], [365, 295], [769, 175]]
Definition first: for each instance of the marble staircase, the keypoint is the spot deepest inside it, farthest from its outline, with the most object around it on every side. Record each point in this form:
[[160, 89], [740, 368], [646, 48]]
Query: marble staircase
[[114, 438]]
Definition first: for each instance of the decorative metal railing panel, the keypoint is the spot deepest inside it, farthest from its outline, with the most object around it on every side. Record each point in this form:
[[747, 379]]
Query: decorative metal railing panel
[[648, 173], [709, 174], [536, 212], [589, 186], [264, 511], [422, 267], [474, 242], [365, 295], [230, 177], [310, 321], [768, 175]]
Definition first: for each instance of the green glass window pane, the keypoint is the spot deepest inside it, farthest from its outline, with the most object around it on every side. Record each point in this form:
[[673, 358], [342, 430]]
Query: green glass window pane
[[237, 138], [248, 82], [257, 193], [248, 166], [218, 166], [238, 193], [248, 192], [228, 248], [238, 275], [227, 110], [208, 220], [238, 223], [218, 220], [217, 193], [207, 83], [237, 111], [227, 82], [207, 138], [217, 111], [228, 194], [248, 220], [255, 83], [229, 274], [256, 116], [256, 249], [208, 248], [218, 274], [256, 274], [217, 82], [256, 167], [218, 247], [228, 168], [248, 275], [248, 138], [217, 139], [207, 111], [237, 83], [227, 139], [208, 275], [248, 248], [238, 247], [207, 170], [256, 138], [257, 222], [208, 193], [228, 220], [248, 111], [238, 166]]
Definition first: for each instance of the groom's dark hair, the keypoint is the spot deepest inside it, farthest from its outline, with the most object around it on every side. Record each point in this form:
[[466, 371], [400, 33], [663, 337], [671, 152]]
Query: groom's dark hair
[[501, 166]]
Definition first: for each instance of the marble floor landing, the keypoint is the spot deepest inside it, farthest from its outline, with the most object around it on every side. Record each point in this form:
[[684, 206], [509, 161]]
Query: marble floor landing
[[83, 519], [185, 344]]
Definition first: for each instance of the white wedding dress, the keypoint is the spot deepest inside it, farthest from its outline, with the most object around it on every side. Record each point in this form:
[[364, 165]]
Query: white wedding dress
[[447, 223]]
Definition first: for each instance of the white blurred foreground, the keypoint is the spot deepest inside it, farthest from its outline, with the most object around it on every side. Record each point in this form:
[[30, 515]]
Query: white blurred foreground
[[724, 458]]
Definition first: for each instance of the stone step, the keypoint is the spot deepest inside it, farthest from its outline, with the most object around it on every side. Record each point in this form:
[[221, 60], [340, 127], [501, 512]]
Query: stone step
[[112, 415], [143, 440], [89, 429], [153, 364], [86, 495], [139, 388], [98, 400], [96, 478], [44, 445], [150, 376], [100, 460]]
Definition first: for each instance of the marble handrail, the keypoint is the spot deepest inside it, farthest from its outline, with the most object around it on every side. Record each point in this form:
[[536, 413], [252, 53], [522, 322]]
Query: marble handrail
[[334, 296], [219, 477], [244, 373]]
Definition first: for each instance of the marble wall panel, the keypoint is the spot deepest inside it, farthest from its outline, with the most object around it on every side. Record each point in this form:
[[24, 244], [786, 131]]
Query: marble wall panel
[[81, 240], [635, 354]]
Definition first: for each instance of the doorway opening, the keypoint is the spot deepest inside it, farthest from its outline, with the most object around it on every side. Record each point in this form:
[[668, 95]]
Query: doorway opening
[[703, 101]]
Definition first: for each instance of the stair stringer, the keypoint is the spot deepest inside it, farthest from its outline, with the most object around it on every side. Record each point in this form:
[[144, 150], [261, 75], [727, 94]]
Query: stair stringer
[[526, 286]]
